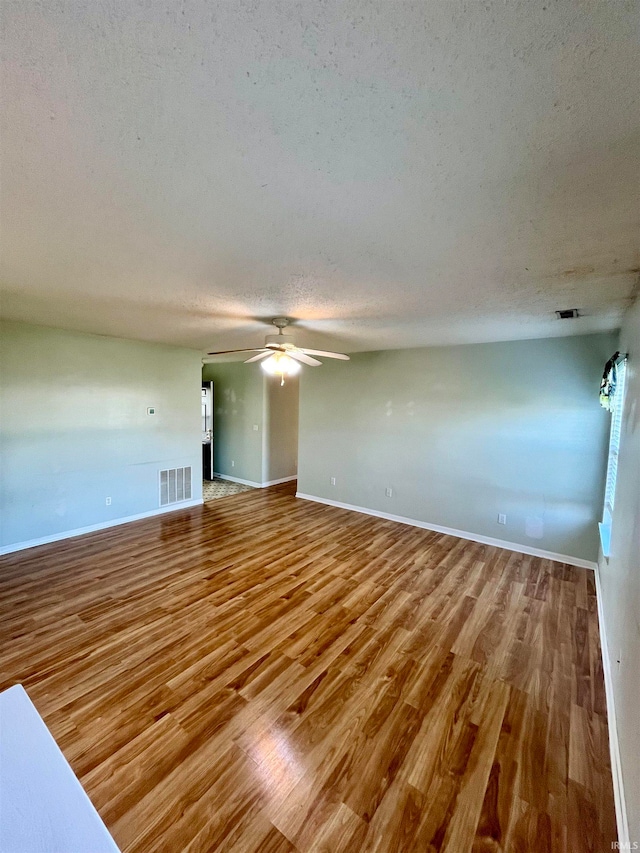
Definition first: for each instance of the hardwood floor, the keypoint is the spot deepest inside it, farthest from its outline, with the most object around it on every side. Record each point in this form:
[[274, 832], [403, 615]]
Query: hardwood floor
[[267, 675]]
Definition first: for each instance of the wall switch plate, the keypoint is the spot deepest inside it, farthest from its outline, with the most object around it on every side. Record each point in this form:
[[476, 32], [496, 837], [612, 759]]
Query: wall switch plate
[[255, 427], [107, 501], [502, 518], [233, 463], [332, 480], [388, 493]]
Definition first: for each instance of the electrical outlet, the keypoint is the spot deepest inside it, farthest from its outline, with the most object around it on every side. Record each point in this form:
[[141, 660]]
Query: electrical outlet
[[255, 427], [107, 501], [502, 518], [332, 480], [388, 493], [233, 463]]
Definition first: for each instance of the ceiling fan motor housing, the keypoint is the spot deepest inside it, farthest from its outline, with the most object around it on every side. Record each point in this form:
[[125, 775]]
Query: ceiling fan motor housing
[[281, 340]]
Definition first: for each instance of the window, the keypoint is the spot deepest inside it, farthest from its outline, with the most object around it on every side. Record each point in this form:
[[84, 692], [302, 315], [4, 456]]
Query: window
[[612, 465]]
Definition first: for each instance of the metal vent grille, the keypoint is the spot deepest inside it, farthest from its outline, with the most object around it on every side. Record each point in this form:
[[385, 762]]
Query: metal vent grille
[[175, 485], [567, 314]]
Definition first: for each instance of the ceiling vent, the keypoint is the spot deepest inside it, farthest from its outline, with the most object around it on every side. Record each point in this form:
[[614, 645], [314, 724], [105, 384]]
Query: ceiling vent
[[567, 314]]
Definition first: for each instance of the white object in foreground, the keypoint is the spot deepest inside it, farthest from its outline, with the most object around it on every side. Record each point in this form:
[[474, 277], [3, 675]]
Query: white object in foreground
[[43, 806]]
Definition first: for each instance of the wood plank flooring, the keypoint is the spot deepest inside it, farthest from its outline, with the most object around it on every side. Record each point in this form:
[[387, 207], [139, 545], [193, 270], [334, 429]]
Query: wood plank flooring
[[267, 675]]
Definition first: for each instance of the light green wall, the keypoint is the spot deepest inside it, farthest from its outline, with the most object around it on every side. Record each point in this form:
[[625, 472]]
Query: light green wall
[[463, 433], [74, 428], [238, 407], [281, 428], [620, 579]]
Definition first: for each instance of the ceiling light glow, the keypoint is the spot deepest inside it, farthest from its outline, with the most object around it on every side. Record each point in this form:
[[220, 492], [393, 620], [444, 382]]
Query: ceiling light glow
[[280, 364]]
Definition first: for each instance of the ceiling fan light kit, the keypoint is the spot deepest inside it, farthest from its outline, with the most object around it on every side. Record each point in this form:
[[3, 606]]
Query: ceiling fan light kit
[[280, 356], [280, 364]]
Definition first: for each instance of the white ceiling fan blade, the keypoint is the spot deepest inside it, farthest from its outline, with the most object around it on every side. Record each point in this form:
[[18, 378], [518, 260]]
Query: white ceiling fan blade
[[305, 359], [229, 351], [326, 354], [259, 356]]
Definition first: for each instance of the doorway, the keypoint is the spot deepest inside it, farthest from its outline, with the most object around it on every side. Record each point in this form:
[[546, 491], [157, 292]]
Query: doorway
[[207, 431]]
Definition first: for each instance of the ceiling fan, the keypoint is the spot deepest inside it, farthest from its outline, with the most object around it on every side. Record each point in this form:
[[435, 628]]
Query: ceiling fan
[[280, 356]]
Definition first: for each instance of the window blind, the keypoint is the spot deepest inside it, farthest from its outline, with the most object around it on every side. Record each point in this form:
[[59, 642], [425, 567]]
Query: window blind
[[614, 439]]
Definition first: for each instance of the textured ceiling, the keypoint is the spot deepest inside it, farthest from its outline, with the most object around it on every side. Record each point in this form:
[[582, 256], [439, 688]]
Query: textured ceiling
[[388, 173]]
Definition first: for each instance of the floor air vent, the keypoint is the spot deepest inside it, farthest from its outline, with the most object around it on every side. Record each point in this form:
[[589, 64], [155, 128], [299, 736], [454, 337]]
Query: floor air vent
[[175, 485]]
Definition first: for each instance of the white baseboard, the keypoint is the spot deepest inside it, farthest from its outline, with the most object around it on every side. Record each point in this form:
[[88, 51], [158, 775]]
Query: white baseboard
[[103, 525], [461, 534], [281, 480], [614, 744], [238, 480], [253, 482]]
